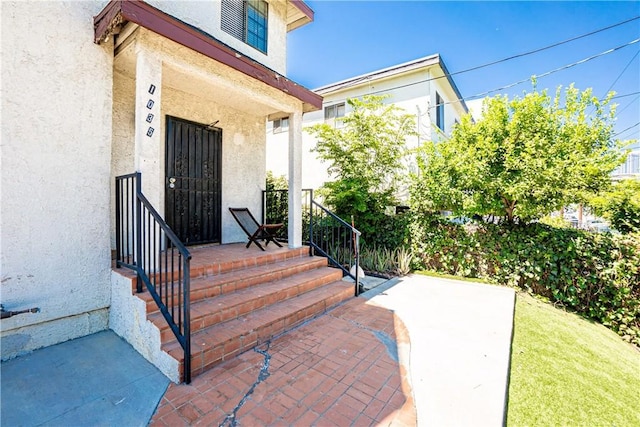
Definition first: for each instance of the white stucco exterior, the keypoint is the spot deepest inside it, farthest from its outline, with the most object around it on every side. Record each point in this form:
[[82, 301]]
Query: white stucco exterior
[[73, 110], [197, 89], [206, 16], [411, 86], [55, 151]]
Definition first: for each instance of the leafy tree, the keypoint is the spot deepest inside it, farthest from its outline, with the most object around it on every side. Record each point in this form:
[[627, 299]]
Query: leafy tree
[[525, 157], [365, 156], [620, 206]]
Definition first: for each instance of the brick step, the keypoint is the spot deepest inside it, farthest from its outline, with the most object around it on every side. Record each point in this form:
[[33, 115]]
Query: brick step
[[210, 311], [224, 283], [226, 340], [205, 262]]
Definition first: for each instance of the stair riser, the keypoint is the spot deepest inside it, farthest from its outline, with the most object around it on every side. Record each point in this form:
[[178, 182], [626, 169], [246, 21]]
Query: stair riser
[[206, 358], [251, 305], [236, 283], [229, 266]]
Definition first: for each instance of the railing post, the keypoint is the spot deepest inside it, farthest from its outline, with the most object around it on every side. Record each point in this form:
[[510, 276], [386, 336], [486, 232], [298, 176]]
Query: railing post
[[264, 206], [187, 321], [138, 220], [357, 249], [311, 201], [118, 224]]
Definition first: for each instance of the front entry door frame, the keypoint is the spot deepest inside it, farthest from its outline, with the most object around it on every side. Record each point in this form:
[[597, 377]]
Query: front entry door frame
[[193, 181]]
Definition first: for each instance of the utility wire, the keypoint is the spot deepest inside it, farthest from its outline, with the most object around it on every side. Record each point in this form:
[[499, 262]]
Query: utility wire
[[520, 55], [564, 67], [625, 95], [540, 49], [628, 105], [621, 73], [624, 130], [483, 94]]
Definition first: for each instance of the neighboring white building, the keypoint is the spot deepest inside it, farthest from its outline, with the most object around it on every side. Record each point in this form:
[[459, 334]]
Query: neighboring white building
[[421, 87], [95, 89], [630, 168]]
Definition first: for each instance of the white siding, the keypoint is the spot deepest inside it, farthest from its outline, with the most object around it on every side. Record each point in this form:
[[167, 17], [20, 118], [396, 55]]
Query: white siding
[[414, 92]]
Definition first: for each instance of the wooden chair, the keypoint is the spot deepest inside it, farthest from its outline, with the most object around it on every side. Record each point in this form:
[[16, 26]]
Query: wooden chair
[[254, 230]]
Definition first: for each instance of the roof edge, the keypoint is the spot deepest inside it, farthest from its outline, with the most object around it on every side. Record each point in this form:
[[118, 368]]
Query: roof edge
[[304, 8], [383, 72], [394, 70]]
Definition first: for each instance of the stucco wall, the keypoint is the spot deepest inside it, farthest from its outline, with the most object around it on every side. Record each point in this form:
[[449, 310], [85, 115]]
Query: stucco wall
[[55, 151], [206, 15], [201, 90]]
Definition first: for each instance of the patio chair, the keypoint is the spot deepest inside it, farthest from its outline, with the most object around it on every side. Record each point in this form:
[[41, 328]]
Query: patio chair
[[254, 230]]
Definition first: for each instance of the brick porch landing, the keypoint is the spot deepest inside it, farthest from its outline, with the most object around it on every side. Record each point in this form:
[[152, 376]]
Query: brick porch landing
[[242, 297]]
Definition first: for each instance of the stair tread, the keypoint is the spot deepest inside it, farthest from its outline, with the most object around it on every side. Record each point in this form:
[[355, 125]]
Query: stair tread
[[225, 331], [276, 270], [287, 287]]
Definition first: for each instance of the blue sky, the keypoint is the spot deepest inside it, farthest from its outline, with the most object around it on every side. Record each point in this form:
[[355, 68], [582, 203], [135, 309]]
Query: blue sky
[[349, 38]]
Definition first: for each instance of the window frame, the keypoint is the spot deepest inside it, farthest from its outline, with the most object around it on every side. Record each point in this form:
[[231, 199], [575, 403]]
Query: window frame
[[247, 21], [334, 117], [260, 39], [281, 125], [440, 112]]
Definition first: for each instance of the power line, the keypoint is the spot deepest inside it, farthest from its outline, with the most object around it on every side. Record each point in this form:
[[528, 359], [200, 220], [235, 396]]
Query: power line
[[539, 50], [628, 105], [483, 94], [564, 67], [625, 95], [477, 67], [621, 73], [624, 130]]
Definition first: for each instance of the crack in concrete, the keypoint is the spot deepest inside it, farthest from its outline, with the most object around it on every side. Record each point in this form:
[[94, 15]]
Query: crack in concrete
[[389, 343], [231, 418]]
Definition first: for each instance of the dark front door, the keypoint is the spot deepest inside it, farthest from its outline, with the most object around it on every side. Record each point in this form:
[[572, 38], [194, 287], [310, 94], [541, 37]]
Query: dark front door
[[193, 181]]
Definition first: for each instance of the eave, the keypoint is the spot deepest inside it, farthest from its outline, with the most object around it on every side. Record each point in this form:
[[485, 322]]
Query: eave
[[298, 14], [118, 12]]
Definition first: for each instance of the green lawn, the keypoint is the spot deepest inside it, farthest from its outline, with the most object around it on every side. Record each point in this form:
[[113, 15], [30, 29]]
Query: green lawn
[[567, 371]]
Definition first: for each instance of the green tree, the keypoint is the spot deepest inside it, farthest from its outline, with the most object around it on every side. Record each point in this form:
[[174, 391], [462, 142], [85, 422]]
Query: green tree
[[620, 206], [525, 157], [365, 155]]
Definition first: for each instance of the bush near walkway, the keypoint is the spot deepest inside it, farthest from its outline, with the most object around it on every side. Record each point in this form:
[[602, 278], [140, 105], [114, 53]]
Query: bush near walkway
[[594, 274]]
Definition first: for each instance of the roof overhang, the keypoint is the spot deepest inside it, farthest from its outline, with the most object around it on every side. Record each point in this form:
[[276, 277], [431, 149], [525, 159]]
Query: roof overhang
[[298, 14], [389, 72], [118, 12]]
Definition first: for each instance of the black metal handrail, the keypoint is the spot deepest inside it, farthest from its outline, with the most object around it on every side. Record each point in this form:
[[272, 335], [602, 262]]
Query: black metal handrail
[[147, 245], [275, 209], [329, 235], [335, 239]]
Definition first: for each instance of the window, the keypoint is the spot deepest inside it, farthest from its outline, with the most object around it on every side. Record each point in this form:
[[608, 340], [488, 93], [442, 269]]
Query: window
[[281, 125], [439, 112], [246, 20], [334, 113]]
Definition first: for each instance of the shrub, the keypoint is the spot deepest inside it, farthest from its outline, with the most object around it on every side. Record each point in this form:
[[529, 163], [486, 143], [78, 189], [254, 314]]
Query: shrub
[[594, 274]]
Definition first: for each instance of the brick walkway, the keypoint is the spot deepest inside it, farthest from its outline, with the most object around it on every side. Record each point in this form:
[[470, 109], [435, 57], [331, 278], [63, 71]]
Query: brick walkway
[[347, 367]]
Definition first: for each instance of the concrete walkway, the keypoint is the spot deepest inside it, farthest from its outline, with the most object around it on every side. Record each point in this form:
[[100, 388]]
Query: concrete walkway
[[94, 380], [414, 351], [460, 336]]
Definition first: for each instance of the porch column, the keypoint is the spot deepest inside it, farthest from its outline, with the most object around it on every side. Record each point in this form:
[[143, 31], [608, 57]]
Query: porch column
[[148, 135], [295, 179]]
